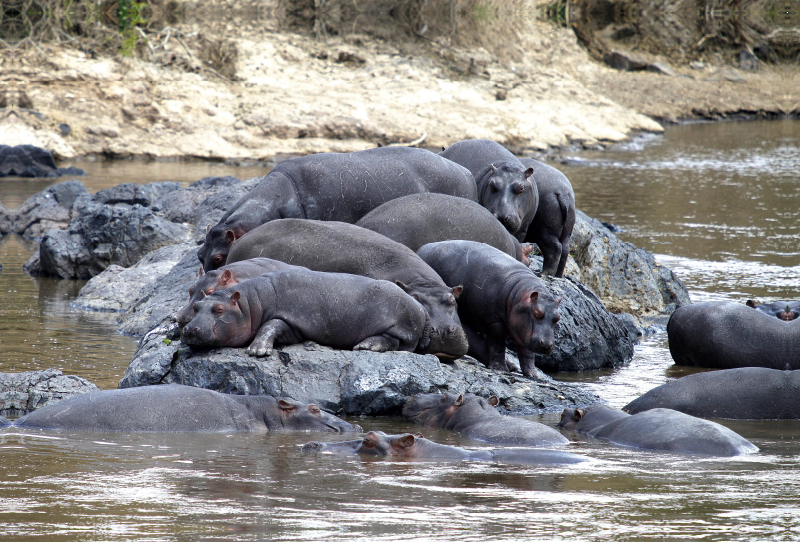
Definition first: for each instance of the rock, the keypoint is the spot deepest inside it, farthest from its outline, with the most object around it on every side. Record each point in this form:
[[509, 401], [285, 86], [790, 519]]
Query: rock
[[660, 67], [696, 65], [342, 381], [181, 205], [46, 210], [31, 161], [21, 393], [210, 211], [624, 61], [729, 74], [135, 194]]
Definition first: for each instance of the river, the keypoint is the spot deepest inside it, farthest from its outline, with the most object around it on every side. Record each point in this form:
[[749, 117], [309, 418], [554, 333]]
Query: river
[[716, 202]]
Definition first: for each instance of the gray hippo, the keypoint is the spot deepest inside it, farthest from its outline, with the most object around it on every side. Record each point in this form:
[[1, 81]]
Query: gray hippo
[[505, 186], [295, 305], [335, 186], [173, 408], [344, 248], [659, 429], [748, 393], [727, 335], [551, 228], [415, 446], [225, 277], [420, 219], [500, 298], [478, 419], [783, 310]]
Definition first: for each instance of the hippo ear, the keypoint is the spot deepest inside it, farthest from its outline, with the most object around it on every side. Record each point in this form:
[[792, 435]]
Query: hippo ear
[[226, 277], [230, 237], [579, 413], [527, 249], [493, 400], [443, 148], [406, 441], [494, 169], [459, 401], [457, 291], [751, 303], [528, 173], [534, 296], [208, 228], [285, 405], [235, 297], [401, 285], [201, 272]]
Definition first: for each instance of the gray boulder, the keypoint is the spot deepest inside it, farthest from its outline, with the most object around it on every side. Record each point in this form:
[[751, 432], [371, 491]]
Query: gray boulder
[[31, 161], [135, 194], [21, 393], [46, 210], [181, 205]]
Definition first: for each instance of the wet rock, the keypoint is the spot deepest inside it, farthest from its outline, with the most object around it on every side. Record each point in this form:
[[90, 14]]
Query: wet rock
[[31, 161], [215, 205], [135, 194], [47, 210], [182, 205], [21, 393]]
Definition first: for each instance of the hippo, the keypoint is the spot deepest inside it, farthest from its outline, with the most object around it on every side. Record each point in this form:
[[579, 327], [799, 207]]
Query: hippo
[[478, 419], [225, 277], [294, 305], [420, 219], [501, 298], [658, 429], [4, 422], [346, 248], [415, 446], [505, 186], [747, 393], [783, 310], [551, 228], [174, 408], [335, 186], [727, 335]]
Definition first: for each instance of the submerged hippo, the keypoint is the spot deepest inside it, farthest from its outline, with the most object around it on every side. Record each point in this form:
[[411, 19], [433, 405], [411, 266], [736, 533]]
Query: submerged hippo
[[500, 298], [225, 277], [783, 310], [551, 227], [295, 305], [333, 186], [173, 408], [659, 429], [478, 419], [505, 186], [344, 248], [748, 393], [420, 219], [416, 446], [726, 335]]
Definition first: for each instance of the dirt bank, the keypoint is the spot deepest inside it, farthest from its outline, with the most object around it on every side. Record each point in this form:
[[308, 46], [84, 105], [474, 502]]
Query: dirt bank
[[235, 82]]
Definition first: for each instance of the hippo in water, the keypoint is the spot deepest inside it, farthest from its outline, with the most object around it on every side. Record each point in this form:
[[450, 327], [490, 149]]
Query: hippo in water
[[551, 228], [420, 219], [415, 446], [344, 248], [225, 277], [500, 298], [335, 186], [659, 429], [727, 335], [747, 393], [173, 408], [783, 310], [295, 305], [478, 419], [505, 186]]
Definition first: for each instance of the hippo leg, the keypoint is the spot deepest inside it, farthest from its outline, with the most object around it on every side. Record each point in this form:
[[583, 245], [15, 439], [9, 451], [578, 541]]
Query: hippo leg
[[551, 249], [272, 331], [489, 350], [526, 363], [378, 343]]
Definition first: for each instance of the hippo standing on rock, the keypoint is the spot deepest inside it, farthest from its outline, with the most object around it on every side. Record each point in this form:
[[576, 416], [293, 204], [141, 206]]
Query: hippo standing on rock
[[551, 228], [344, 248], [333, 186], [478, 419], [173, 408], [659, 429], [295, 305], [505, 186], [783, 310], [420, 219], [408, 446], [500, 298]]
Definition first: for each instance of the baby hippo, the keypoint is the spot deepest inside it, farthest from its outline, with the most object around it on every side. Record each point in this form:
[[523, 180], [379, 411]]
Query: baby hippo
[[501, 298], [295, 305], [784, 310], [225, 277]]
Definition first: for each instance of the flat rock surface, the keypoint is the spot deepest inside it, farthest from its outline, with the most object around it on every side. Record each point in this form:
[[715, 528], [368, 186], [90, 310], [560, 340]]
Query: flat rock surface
[[21, 393]]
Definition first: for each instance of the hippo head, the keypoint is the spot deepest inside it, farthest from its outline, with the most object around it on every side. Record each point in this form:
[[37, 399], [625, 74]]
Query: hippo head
[[507, 191], [432, 409], [214, 252], [570, 418], [207, 284], [375, 443], [787, 314], [220, 319], [297, 416], [447, 337], [532, 318]]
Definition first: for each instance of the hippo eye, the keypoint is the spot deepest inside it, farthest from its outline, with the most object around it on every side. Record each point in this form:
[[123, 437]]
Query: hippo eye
[[451, 300], [556, 319], [519, 188], [217, 259], [219, 309], [209, 290], [538, 314], [314, 409]]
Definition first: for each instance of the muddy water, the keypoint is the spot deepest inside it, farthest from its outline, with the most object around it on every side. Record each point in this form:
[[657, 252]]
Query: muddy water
[[718, 203]]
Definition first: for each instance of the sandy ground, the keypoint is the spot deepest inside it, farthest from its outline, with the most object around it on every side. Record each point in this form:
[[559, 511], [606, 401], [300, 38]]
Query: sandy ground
[[297, 93]]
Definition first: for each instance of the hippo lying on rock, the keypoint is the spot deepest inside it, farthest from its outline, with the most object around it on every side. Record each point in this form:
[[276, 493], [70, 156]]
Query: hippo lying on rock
[[505, 186], [410, 446], [295, 305], [344, 248], [478, 419], [748, 393], [659, 429], [420, 219], [172, 408], [784, 310], [500, 298], [333, 186], [726, 335]]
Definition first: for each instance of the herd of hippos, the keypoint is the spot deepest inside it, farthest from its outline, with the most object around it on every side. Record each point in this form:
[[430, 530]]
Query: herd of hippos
[[399, 248]]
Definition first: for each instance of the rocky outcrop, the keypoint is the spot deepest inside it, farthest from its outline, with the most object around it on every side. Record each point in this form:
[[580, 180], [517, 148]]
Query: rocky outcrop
[[31, 161], [21, 393], [50, 209]]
